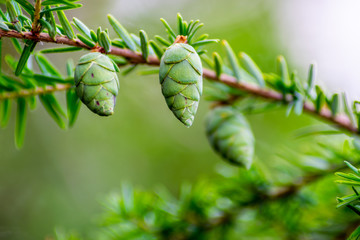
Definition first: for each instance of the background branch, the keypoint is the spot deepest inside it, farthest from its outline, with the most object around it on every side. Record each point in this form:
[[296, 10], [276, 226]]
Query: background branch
[[280, 194], [35, 91]]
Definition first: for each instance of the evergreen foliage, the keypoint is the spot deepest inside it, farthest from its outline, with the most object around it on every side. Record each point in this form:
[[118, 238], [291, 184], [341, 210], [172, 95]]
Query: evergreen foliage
[[238, 203]]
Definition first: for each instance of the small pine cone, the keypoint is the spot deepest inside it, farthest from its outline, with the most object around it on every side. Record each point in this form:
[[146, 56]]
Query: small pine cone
[[97, 84], [230, 135], [181, 81]]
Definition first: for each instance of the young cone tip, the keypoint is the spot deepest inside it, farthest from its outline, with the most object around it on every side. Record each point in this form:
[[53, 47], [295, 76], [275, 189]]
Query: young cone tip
[[181, 39]]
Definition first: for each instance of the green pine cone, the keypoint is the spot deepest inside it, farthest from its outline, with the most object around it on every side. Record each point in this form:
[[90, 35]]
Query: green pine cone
[[97, 84], [230, 135], [181, 81]]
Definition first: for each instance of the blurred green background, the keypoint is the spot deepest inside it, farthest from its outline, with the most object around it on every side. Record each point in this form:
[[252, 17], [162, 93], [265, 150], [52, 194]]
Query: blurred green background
[[60, 177]]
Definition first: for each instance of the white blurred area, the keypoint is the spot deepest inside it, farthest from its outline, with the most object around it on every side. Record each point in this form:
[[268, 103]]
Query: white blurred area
[[327, 32], [146, 9], [139, 7]]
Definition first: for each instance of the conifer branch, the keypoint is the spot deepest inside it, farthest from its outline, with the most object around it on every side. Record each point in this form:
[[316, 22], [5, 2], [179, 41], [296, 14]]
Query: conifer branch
[[340, 121], [242, 78]]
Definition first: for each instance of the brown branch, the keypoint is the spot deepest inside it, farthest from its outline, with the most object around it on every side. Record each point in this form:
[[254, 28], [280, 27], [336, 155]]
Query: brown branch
[[340, 121], [35, 91]]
